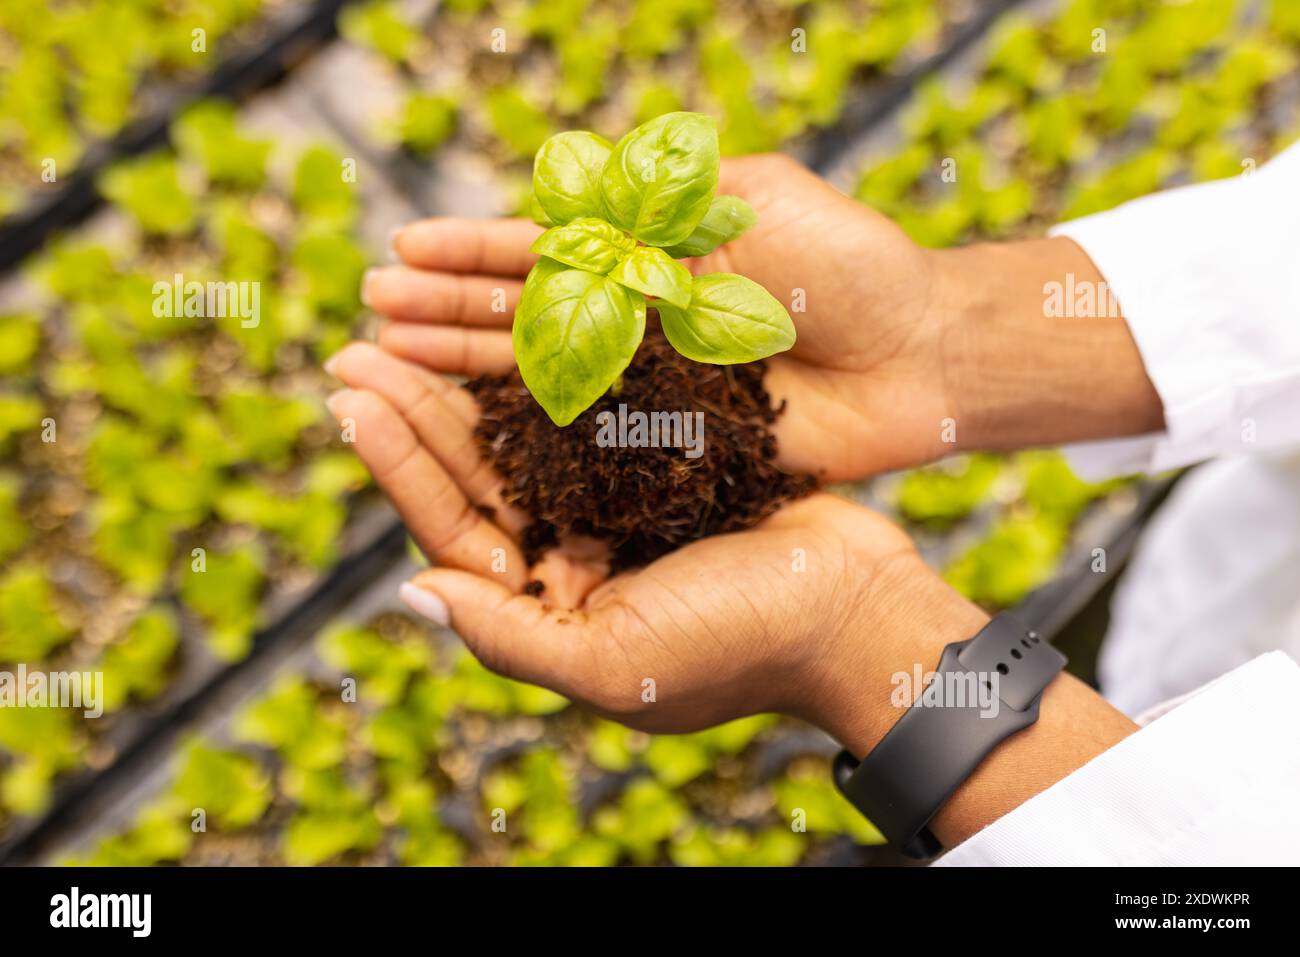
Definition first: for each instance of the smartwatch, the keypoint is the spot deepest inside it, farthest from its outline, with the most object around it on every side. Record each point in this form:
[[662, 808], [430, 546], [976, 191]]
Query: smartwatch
[[985, 690]]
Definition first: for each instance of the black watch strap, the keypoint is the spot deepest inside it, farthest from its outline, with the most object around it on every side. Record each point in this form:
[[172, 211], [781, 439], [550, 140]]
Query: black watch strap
[[948, 731]]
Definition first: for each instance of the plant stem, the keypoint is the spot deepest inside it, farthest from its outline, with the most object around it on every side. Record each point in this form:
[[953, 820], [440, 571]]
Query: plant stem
[[617, 388]]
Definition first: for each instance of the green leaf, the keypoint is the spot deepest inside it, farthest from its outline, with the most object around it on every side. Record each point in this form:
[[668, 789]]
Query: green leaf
[[424, 847], [398, 735], [137, 664], [20, 337], [383, 667], [535, 212], [26, 785], [149, 189], [1053, 489], [330, 265], [134, 541], [31, 625], [574, 334], [661, 177], [207, 133], [585, 57], [650, 270], [319, 189], [50, 735], [334, 474], [647, 814], [591, 244], [521, 125], [609, 746], [713, 846], [77, 270], [727, 218], [230, 787], [381, 27], [823, 809], [264, 427], [290, 720], [247, 251], [474, 688], [426, 121], [566, 175], [1019, 554], [676, 759], [313, 838], [18, 413], [730, 319], [225, 593], [941, 494]]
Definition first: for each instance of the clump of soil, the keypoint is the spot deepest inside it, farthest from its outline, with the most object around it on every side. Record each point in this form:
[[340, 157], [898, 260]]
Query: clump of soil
[[644, 501]]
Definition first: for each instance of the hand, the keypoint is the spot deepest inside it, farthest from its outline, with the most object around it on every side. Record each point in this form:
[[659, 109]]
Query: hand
[[727, 626], [860, 380], [766, 620], [904, 355], [811, 613]]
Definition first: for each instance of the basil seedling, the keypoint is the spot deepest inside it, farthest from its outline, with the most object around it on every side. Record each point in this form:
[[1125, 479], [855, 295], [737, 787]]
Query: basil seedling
[[620, 216]]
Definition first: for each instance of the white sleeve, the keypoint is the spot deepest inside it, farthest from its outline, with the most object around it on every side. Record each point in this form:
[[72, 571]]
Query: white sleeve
[[1208, 278], [1212, 779]]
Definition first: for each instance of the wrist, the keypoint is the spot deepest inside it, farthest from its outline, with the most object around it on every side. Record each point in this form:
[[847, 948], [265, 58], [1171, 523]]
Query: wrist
[[899, 628], [1015, 371], [911, 616]]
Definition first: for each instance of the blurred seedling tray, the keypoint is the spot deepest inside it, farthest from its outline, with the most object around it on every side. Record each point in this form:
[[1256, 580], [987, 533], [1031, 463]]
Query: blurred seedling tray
[[258, 56]]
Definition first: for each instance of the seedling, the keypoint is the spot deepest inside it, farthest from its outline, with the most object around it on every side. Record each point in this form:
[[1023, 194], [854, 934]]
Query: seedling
[[621, 216]]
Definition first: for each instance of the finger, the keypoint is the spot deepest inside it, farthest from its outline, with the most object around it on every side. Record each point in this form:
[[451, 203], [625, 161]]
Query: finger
[[747, 175], [510, 633], [458, 401], [450, 349], [444, 434], [441, 519], [735, 174], [497, 247], [755, 176], [570, 571], [413, 295]]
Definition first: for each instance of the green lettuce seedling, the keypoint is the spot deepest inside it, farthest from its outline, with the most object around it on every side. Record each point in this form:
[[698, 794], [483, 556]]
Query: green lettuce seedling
[[620, 216]]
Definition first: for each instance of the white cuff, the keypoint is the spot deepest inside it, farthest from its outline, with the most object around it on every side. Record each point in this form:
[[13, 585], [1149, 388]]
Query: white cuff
[[1208, 278]]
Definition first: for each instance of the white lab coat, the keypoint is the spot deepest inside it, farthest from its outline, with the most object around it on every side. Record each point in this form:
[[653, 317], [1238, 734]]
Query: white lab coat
[[1205, 633]]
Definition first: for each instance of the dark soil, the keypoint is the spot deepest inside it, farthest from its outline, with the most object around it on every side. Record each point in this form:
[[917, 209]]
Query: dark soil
[[644, 501]]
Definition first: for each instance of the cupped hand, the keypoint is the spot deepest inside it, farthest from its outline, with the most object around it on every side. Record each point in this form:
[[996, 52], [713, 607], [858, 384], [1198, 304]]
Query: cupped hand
[[784, 617], [863, 382]]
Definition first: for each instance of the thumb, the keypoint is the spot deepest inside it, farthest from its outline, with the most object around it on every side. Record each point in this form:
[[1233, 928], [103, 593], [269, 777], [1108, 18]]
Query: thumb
[[512, 634]]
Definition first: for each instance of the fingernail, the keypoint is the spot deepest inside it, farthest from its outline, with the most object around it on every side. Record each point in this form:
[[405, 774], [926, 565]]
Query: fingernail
[[330, 364], [425, 603], [332, 401], [392, 243], [365, 287]]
